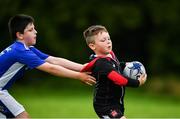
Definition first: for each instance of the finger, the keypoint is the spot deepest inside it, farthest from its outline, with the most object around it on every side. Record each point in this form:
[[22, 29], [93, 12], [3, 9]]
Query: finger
[[88, 72], [91, 77], [143, 75], [91, 81], [88, 83], [146, 75], [144, 78]]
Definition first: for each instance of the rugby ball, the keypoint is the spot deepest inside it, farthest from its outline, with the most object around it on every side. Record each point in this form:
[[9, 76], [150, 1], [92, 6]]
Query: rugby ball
[[134, 70]]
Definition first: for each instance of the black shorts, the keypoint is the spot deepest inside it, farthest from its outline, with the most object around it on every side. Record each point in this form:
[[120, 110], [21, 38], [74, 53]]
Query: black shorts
[[111, 112]]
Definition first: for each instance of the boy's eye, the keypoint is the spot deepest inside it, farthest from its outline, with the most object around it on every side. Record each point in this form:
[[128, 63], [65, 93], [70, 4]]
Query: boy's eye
[[103, 40], [30, 30]]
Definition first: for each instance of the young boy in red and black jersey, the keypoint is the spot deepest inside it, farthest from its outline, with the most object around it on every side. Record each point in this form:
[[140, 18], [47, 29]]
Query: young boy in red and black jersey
[[105, 67]]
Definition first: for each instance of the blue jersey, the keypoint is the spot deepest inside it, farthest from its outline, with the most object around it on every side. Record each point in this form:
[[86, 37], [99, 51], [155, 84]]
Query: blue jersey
[[15, 59]]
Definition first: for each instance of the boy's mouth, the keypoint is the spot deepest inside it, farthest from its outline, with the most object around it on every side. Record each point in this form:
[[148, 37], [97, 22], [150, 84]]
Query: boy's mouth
[[109, 47]]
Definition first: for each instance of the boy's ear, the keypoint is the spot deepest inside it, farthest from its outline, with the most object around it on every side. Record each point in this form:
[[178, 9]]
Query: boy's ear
[[92, 46], [19, 35]]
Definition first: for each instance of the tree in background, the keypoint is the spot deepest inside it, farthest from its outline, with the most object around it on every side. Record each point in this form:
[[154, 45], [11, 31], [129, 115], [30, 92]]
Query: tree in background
[[147, 30]]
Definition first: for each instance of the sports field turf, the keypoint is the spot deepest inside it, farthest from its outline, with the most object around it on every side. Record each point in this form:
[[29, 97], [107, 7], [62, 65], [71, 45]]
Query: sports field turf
[[44, 102]]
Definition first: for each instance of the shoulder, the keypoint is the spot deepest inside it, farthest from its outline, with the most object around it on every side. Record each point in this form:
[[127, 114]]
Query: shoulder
[[96, 62], [19, 47], [21, 52], [103, 61], [100, 61], [103, 64]]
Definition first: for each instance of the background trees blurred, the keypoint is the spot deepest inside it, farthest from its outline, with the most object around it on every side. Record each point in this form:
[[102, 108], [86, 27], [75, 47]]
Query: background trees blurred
[[147, 31]]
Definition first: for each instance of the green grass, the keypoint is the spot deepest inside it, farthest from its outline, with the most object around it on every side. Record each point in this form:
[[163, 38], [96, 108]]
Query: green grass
[[53, 102], [44, 103], [151, 106]]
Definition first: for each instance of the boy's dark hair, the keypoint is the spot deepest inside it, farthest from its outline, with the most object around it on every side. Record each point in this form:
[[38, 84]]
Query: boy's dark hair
[[92, 31], [18, 23]]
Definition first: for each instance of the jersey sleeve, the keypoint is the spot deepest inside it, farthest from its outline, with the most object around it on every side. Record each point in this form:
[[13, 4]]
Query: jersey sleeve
[[121, 80], [39, 53], [29, 58], [105, 67]]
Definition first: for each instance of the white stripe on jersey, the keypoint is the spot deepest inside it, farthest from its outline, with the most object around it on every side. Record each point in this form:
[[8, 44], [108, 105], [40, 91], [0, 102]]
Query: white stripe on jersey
[[7, 76]]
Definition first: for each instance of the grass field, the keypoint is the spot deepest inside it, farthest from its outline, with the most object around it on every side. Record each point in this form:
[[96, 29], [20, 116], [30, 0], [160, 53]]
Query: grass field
[[77, 103]]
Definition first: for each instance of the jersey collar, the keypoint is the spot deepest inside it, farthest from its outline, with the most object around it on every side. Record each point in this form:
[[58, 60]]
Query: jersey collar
[[26, 47]]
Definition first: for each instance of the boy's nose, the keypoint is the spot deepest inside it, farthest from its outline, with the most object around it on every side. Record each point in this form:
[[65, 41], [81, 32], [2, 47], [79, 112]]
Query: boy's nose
[[108, 41], [35, 31]]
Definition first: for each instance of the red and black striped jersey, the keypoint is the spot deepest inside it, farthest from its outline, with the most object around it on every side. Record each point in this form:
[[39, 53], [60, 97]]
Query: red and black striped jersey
[[110, 86]]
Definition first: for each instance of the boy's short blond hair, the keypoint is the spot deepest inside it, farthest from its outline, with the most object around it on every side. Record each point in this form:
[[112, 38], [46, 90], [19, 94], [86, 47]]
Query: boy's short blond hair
[[92, 31]]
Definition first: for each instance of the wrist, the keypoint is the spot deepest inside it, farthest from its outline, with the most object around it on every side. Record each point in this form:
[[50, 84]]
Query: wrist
[[79, 76], [133, 83]]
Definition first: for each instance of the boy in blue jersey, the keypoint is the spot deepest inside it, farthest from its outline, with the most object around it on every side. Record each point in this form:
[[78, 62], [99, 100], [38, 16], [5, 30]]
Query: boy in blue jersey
[[20, 55]]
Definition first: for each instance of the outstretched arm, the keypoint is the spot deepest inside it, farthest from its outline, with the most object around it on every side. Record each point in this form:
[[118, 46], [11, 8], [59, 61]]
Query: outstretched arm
[[63, 72], [64, 63]]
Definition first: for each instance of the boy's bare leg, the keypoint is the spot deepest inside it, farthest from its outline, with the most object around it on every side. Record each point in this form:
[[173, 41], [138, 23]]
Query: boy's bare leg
[[23, 115], [123, 117]]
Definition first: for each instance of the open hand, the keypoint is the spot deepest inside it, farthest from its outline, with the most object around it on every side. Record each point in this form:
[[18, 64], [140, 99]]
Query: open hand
[[86, 78]]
